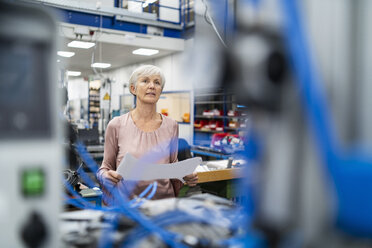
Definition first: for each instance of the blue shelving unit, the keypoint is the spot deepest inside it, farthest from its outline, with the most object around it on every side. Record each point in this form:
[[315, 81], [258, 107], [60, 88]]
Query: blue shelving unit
[[208, 99]]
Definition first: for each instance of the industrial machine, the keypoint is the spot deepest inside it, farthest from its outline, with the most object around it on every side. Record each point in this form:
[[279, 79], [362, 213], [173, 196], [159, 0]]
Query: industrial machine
[[30, 131], [310, 189]]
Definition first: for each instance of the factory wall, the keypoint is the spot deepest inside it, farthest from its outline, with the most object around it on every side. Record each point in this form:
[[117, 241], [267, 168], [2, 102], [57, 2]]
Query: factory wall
[[364, 51], [175, 81], [330, 36], [171, 66]]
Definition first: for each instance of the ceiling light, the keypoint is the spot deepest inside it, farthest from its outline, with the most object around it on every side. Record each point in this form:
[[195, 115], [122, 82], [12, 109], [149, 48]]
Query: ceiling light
[[100, 65], [80, 44], [145, 51], [73, 73], [65, 54]]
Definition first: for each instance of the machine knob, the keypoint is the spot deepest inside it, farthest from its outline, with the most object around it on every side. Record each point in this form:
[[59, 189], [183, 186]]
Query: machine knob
[[34, 232]]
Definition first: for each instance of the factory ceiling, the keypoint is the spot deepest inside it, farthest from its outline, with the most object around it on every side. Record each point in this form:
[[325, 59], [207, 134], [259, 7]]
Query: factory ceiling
[[113, 47]]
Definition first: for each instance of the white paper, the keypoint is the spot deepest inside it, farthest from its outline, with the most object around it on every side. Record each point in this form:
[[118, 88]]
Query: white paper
[[218, 164], [131, 169], [202, 168]]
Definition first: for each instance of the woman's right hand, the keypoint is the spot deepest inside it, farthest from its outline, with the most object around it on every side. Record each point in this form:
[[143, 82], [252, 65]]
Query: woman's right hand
[[112, 176]]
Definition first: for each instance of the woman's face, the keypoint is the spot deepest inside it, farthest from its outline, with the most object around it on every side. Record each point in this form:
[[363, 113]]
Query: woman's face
[[148, 88]]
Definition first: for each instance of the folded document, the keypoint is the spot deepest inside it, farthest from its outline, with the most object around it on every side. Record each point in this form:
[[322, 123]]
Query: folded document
[[132, 168]]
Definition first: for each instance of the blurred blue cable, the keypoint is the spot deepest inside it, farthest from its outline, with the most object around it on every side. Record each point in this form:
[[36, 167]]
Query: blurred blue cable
[[351, 172], [151, 195], [168, 237], [144, 192]]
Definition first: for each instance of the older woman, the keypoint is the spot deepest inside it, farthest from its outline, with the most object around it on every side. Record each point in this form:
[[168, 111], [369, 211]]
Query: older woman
[[141, 132]]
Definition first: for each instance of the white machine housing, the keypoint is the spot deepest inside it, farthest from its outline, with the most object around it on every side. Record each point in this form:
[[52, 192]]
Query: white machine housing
[[30, 129]]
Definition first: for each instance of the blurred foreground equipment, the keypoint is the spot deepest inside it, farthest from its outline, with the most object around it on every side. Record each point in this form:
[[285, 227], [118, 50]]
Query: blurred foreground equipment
[[30, 133], [202, 220], [310, 191]]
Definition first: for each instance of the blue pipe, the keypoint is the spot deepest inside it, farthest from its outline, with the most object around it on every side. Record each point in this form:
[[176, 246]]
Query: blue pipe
[[351, 172]]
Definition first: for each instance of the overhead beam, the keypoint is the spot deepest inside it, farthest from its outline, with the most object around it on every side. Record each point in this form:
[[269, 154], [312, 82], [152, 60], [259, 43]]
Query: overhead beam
[[119, 18], [124, 38]]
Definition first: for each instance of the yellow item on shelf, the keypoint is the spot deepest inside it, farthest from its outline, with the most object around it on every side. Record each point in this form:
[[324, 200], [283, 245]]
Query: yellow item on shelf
[[186, 117], [164, 112]]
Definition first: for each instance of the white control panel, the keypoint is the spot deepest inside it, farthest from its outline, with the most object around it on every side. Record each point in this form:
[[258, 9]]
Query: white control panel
[[30, 131]]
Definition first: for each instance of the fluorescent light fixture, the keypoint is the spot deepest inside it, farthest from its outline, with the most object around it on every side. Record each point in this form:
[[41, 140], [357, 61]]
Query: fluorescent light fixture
[[65, 54], [81, 44], [73, 73], [100, 65], [145, 51]]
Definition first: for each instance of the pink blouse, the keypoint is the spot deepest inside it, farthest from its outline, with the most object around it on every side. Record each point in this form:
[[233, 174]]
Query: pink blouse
[[122, 136]]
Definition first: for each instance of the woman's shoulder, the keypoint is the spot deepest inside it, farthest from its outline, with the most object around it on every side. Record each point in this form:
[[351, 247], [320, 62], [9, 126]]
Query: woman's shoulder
[[117, 121], [169, 122]]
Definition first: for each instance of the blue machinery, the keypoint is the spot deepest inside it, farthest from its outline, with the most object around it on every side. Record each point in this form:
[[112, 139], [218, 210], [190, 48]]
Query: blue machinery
[[350, 172], [184, 9], [111, 17]]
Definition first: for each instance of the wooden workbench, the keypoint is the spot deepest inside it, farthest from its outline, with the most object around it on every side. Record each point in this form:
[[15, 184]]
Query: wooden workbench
[[218, 182], [220, 175]]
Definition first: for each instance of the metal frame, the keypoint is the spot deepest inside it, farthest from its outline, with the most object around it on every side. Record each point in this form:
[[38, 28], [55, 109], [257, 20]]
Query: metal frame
[[119, 18]]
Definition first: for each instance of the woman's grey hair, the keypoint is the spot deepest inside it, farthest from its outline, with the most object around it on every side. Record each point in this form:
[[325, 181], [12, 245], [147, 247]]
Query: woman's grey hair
[[146, 70]]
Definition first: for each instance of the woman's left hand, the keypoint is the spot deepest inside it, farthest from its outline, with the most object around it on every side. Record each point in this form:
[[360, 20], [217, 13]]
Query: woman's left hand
[[192, 179]]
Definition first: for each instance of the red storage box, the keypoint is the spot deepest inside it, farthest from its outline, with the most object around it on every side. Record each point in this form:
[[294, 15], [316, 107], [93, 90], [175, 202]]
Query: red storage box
[[220, 136]]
